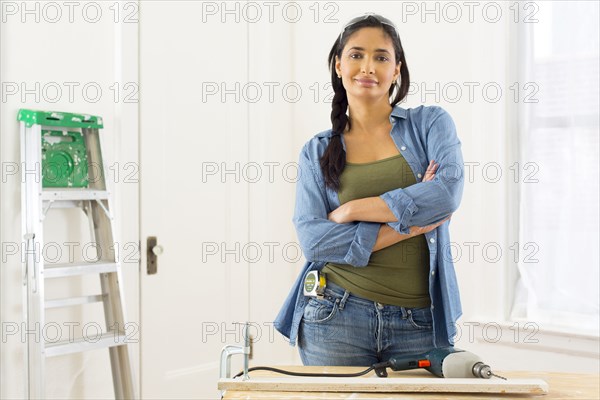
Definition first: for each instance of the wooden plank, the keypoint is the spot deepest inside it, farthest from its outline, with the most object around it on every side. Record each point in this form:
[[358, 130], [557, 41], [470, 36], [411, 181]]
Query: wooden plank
[[562, 386], [386, 385]]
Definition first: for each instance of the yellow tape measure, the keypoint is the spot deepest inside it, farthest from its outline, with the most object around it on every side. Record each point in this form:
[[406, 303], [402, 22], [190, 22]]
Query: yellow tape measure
[[314, 284]]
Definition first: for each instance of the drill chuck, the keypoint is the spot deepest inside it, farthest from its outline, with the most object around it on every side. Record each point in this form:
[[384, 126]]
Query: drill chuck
[[481, 370]]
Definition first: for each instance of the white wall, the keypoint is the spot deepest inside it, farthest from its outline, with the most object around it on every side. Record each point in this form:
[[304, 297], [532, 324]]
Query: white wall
[[281, 52]]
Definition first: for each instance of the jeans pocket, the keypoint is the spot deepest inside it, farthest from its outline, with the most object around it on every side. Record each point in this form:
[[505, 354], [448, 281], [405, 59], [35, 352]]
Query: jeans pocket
[[420, 318], [320, 310]]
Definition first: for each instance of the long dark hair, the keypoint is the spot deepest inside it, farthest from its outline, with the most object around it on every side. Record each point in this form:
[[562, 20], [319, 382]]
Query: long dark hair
[[334, 159]]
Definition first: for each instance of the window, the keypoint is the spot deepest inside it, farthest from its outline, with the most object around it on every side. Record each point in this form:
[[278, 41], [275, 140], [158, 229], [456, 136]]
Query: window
[[558, 283]]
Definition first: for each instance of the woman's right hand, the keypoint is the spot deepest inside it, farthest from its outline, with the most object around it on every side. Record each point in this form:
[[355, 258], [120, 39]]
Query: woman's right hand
[[419, 230]]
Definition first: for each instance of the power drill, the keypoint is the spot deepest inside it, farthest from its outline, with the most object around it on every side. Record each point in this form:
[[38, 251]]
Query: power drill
[[445, 362]]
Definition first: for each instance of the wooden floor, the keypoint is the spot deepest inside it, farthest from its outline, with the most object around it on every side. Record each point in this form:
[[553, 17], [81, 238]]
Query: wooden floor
[[559, 386]]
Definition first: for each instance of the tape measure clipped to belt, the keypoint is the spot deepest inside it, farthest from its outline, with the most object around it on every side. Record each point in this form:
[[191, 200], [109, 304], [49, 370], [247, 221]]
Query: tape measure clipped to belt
[[314, 284]]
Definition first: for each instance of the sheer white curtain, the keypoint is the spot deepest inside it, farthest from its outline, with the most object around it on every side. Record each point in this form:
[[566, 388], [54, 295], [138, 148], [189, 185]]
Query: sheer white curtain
[[558, 285]]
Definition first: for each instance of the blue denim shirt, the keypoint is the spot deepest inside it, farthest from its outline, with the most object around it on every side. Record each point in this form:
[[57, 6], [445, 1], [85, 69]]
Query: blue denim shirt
[[421, 134]]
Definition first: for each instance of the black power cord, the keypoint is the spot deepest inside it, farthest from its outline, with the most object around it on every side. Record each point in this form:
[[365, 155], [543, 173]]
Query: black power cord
[[282, 371]]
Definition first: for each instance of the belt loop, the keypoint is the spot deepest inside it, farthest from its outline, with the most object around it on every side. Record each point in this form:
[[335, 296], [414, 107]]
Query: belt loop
[[404, 312], [344, 298]]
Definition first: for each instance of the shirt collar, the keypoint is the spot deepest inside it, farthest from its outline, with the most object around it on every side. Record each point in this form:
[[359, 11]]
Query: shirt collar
[[398, 112]]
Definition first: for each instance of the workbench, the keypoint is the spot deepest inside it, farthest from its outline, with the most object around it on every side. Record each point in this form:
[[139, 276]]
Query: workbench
[[561, 386]]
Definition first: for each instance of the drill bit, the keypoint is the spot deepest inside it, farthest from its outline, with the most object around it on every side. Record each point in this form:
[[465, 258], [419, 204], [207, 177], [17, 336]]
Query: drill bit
[[498, 376]]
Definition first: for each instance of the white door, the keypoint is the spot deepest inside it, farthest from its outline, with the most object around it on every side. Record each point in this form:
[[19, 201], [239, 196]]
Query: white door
[[198, 215]]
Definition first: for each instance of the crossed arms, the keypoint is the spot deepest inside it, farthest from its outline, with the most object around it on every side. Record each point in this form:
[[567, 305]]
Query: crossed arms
[[351, 232]]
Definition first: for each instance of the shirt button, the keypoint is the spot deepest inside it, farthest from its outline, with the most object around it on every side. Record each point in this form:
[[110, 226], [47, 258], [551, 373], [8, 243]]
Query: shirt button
[[419, 175], [432, 273], [403, 148], [432, 240], [432, 306]]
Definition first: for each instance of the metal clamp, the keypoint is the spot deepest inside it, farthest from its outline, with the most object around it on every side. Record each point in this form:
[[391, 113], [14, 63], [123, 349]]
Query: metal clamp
[[230, 350]]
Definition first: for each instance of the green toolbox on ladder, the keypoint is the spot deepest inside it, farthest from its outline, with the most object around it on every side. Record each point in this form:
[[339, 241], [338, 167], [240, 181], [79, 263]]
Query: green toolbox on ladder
[[64, 158]]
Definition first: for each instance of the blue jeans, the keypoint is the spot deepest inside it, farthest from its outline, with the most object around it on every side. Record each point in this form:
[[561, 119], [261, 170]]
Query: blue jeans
[[344, 329]]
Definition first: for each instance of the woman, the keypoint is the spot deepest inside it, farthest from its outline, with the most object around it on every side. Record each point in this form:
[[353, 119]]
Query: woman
[[373, 203]]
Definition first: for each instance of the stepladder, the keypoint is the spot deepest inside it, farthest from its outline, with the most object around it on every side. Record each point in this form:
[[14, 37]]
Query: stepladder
[[63, 173]]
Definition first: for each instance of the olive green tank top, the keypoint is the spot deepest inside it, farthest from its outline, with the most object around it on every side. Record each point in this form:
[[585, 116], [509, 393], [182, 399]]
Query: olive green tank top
[[398, 274]]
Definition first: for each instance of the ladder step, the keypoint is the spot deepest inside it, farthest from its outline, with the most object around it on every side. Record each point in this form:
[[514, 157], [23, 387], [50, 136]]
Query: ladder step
[[108, 339], [58, 194], [73, 301], [73, 269]]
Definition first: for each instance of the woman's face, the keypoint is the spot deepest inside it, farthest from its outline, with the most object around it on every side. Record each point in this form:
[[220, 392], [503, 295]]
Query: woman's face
[[368, 64]]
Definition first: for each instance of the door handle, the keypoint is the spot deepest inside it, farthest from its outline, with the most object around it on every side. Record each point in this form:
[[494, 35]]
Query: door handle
[[153, 250]]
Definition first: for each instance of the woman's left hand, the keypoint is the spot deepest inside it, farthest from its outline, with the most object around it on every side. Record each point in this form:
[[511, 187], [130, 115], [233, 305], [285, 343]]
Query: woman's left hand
[[340, 215], [431, 169]]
